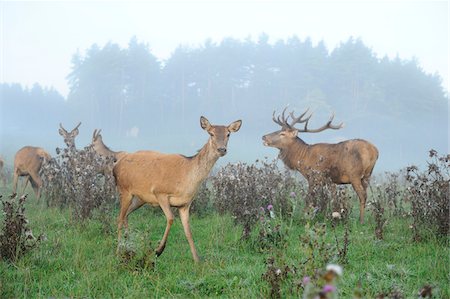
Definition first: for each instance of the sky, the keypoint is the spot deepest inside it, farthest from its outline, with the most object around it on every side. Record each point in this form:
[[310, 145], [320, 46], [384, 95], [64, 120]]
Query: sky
[[39, 38]]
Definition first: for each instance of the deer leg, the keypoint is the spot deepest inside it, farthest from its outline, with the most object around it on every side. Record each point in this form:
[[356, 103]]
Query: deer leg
[[15, 179], [361, 191], [184, 215], [136, 203], [165, 206], [36, 184], [125, 201], [27, 178]]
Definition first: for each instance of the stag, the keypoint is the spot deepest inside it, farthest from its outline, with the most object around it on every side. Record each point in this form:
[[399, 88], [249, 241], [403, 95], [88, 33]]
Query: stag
[[101, 149], [27, 162], [169, 180], [347, 162], [2, 173], [69, 137]]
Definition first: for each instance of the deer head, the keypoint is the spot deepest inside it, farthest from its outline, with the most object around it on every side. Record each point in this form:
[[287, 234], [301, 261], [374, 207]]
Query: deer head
[[288, 133], [69, 137], [219, 134]]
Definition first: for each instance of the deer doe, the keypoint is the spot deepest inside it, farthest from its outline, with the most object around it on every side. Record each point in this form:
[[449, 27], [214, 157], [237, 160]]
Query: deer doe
[[27, 162], [348, 162], [168, 180]]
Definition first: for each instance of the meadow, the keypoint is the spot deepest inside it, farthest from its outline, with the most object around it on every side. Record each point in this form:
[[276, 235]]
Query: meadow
[[285, 244]]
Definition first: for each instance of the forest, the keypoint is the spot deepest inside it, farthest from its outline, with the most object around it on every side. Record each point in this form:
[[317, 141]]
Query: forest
[[141, 102]]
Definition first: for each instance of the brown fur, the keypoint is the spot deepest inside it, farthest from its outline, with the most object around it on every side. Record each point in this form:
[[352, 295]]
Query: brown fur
[[27, 162], [347, 162], [168, 180]]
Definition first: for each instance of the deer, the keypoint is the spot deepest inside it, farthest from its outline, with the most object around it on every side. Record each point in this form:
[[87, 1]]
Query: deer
[[169, 180], [347, 162], [101, 149], [69, 137], [27, 162], [2, 173]]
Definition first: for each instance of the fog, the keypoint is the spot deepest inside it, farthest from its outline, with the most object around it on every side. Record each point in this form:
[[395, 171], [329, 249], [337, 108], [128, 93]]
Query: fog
[[144, 73]]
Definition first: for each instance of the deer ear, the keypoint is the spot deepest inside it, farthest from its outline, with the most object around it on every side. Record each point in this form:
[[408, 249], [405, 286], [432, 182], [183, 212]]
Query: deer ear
[[235, 126], [204, 123]]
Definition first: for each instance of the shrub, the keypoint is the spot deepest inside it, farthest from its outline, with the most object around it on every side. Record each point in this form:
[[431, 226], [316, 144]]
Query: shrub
[[80, 179], [241, 189], [16, 238], [429, 193]]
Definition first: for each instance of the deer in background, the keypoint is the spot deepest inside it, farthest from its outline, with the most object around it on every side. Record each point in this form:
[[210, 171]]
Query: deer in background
[[69, 137], [347, 162], [27, 162], [101, 149], [2, 172], [168, 180]]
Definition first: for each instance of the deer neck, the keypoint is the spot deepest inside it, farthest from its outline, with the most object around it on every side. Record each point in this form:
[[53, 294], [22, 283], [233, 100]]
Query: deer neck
[[204, 161], [294, 154]]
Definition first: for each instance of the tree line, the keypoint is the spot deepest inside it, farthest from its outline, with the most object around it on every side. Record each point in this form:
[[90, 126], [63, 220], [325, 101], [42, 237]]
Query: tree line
[[137, 98]]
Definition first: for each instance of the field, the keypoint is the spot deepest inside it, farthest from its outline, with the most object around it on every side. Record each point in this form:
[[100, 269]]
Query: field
[[78, 259]]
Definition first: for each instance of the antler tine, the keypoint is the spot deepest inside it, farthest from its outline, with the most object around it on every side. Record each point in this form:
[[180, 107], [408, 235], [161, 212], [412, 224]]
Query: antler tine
[[328, 125], [299, 120], [283, 121], [93, 135], [77, 125], [61, 126]]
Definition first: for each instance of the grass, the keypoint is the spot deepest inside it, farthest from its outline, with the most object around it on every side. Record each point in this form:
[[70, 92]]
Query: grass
[[80, 261]]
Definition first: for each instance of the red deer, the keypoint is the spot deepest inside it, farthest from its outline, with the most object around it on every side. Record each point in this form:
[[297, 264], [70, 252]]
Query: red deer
[[28, 162], [347, 162], [169, 180], [2, 173], [101, 149], [69, 137]]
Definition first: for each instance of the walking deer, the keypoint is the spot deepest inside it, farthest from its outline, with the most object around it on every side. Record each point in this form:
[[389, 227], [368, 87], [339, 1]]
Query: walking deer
[[69, 137], [347, 162], [27, 162], [169, 180]]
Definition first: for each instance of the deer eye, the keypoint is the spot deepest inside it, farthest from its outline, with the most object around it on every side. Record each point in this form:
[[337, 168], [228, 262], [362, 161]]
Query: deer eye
[[228, 134], [283, 134]]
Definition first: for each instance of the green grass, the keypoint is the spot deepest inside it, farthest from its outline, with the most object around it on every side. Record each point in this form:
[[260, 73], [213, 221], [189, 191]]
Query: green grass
[[80, 260]]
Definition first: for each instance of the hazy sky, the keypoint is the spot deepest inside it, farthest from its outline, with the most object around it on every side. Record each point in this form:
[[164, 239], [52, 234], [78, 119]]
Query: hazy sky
[[38, 38]]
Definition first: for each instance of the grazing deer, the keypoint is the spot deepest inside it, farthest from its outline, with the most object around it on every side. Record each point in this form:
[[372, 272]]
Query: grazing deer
[[28, 162], [169, 180], [2, 173], [347, 162], [69, 137]]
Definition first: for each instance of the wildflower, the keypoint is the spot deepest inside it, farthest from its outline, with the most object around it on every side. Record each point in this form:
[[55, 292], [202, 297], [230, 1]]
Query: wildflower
[[278, 272], [293, 194], [334, 268], [336, 215], [262, 209], [306, 280], [269, 207], [328, 288]]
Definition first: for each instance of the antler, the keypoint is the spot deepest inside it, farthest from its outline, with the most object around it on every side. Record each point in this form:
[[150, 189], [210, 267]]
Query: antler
[[283, 121], [328, 125], [60, 125], [77, 126]]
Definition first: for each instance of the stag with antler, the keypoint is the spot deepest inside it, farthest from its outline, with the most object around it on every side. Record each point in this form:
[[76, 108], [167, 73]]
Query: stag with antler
[[69, 137], [347, 162]]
